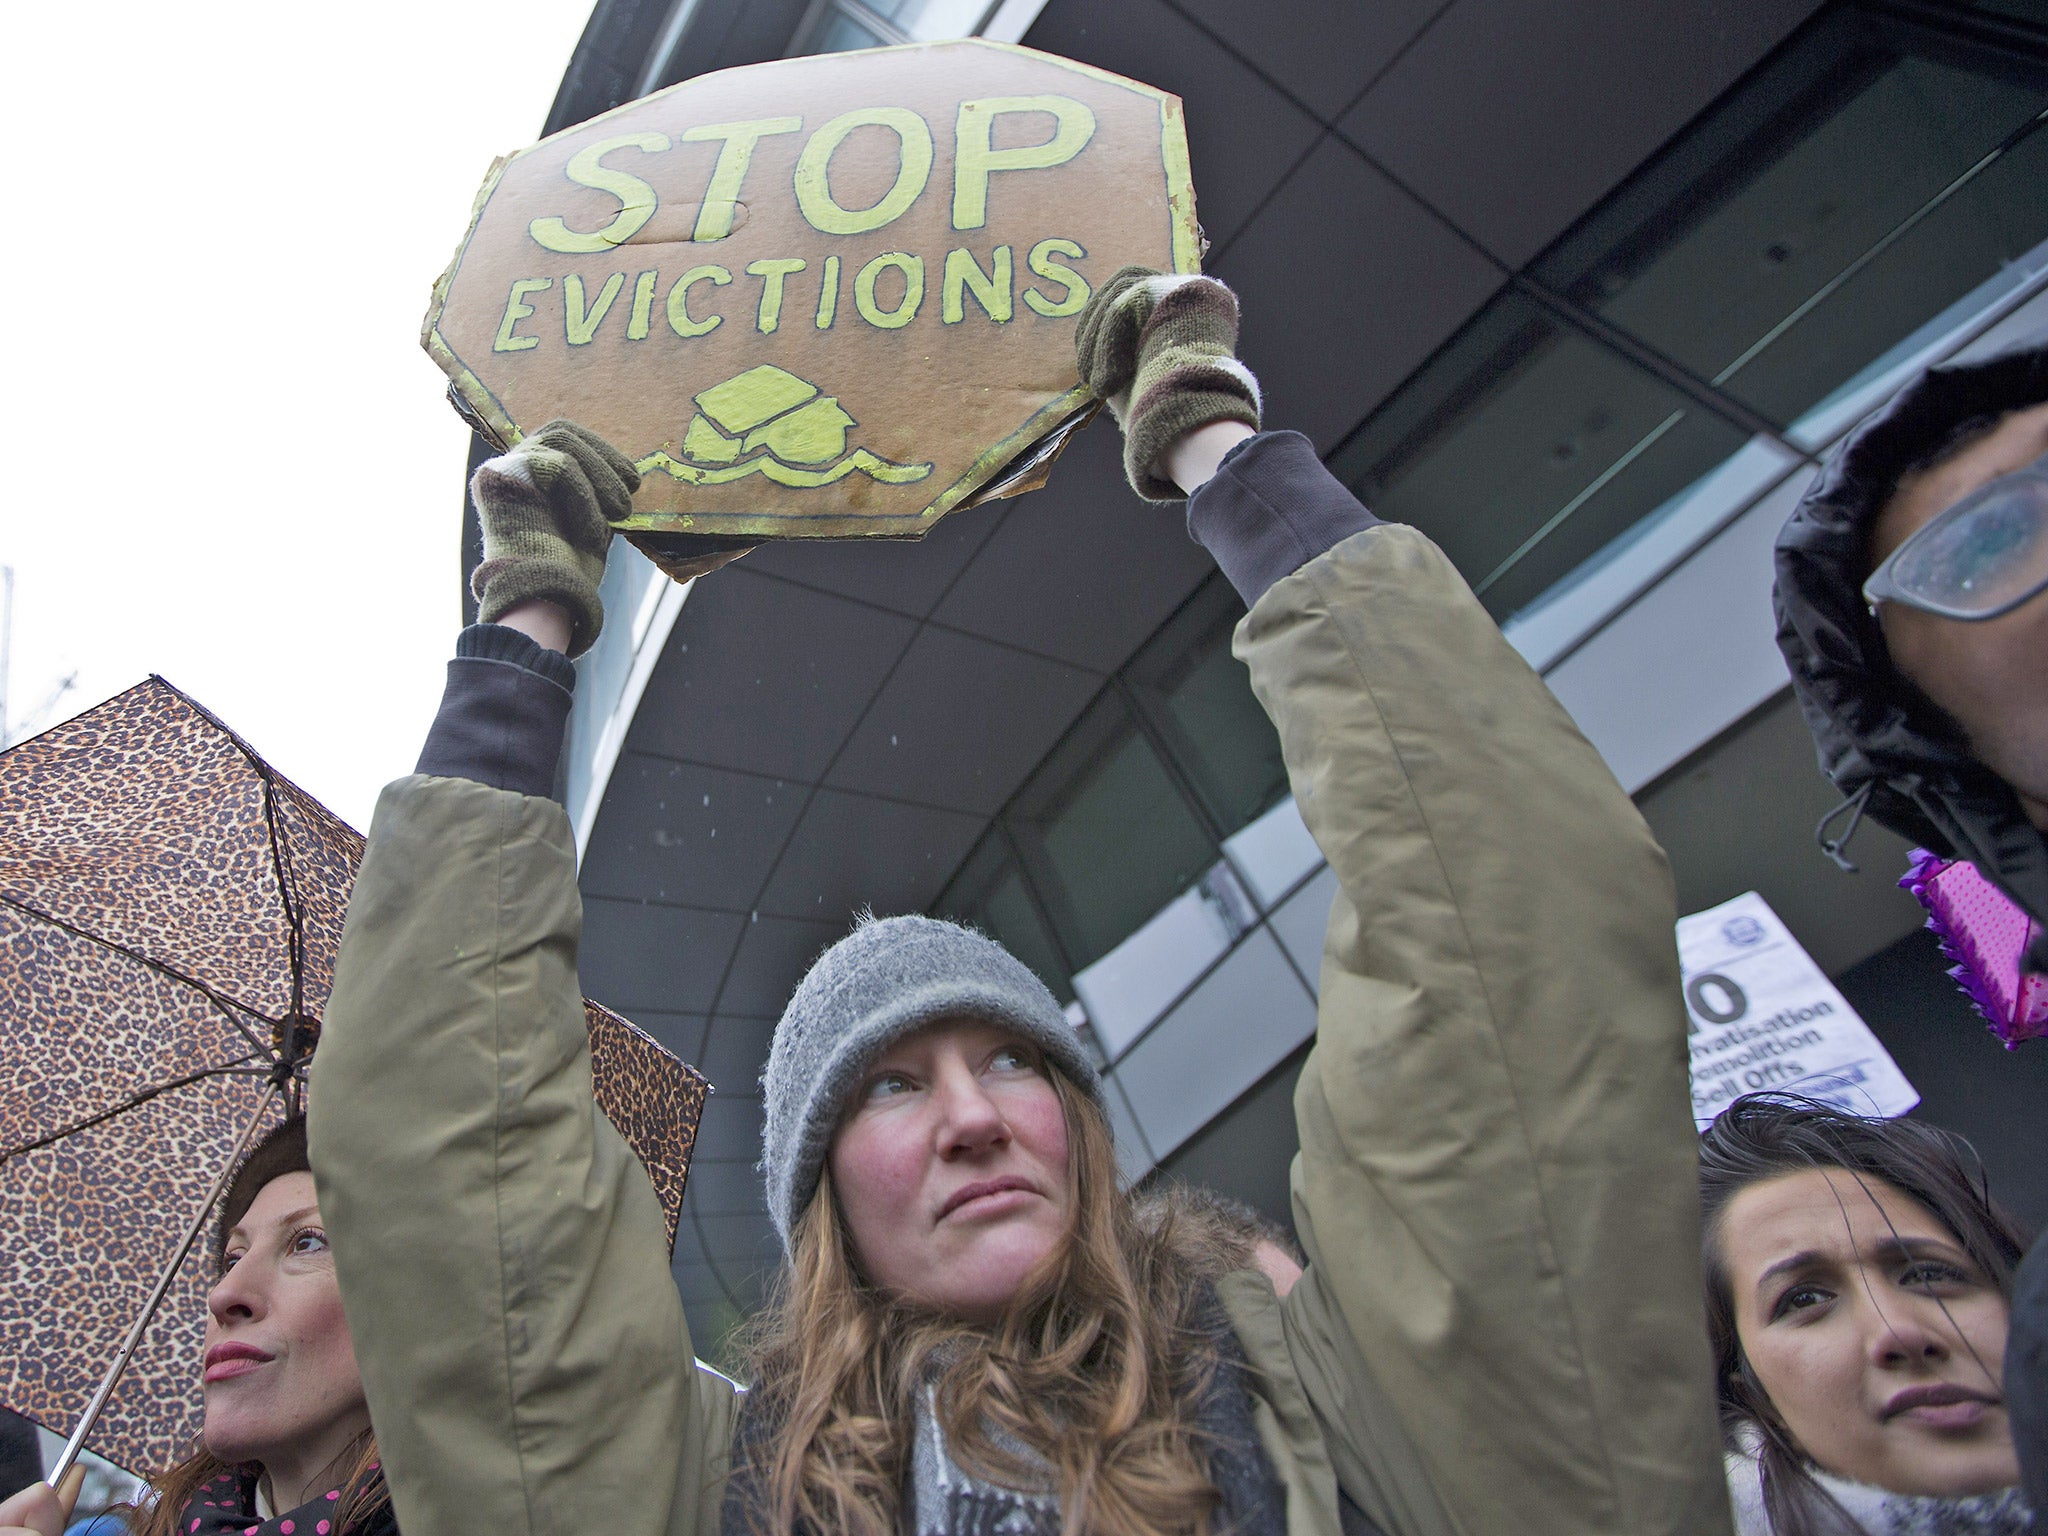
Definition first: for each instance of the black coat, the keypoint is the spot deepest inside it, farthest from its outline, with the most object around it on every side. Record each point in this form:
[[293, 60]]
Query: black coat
[[1878, 735]]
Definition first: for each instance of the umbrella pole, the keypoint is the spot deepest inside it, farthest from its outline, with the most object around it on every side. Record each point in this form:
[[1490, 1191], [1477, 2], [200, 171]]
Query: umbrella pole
[[76, 1443]]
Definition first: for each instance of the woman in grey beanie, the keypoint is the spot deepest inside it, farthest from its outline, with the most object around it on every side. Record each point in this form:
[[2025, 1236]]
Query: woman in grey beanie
[[889, 978], [1500, 1326], [969, 1299]]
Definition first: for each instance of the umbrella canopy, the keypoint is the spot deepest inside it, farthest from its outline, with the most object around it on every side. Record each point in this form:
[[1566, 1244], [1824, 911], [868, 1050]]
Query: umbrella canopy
[[170, 911]]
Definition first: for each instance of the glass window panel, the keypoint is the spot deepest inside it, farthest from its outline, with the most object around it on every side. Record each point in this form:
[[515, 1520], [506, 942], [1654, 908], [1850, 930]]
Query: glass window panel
[[840, 33], [1523, 447], [2035, 11], [934, 20], [1107, 835], [1234, 748], [1916, 278], [1813, 220], [989, 893], [1013, 920], [1198, 697]]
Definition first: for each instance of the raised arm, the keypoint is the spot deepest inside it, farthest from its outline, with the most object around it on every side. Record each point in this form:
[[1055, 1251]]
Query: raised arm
[[1497, 1179], [1502, 1325], [502, 1254]]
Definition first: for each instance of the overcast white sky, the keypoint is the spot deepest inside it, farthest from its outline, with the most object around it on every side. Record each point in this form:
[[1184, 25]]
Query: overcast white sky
[[226, 458]]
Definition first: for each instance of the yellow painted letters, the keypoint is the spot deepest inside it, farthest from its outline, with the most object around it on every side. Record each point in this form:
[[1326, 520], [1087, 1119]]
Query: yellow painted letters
[[992, 290], [636, 197], [828, 294], [1042, 261], [643, 305], [912, 268], [771, 271], [679, 317], [735, 152], [975, 159], [582, 323], [516, 310], [913, 170]]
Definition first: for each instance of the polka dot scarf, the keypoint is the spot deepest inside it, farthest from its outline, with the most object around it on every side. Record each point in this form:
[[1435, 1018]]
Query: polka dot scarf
[[227, 1507]]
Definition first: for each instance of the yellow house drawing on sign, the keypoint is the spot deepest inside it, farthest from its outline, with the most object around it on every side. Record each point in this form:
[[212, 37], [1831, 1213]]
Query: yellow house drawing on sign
[[767, 421]]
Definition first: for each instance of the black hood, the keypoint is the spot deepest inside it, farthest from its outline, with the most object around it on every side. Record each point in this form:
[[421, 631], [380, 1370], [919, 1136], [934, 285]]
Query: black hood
[[1877, 734]]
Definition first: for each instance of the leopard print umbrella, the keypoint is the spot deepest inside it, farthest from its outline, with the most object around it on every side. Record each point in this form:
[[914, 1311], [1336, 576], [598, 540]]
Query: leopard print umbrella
[[170, 909]]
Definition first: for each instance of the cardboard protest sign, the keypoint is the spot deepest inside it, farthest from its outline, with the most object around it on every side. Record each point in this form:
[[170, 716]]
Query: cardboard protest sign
[[824, 297], [1763, 1016]]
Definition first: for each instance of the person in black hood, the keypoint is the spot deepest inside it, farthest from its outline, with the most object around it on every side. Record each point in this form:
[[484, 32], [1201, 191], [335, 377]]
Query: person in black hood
[[1912, 605], [1912, 608]]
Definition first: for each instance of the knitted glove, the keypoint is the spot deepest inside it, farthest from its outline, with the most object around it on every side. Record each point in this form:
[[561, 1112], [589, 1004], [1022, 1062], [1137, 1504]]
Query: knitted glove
[[547, 508], [1160, 348]]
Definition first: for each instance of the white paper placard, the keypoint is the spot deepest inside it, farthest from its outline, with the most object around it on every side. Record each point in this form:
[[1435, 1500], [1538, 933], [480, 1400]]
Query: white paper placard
[[1763, 1016]]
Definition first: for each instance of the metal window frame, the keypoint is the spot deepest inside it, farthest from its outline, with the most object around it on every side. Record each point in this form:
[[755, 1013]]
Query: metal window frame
[[2016, 38], [1018, 841]]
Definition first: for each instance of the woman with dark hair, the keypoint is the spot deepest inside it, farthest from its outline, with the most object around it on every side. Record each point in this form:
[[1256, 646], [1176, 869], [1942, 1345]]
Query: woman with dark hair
[[286, 1449], [1859, 1284]]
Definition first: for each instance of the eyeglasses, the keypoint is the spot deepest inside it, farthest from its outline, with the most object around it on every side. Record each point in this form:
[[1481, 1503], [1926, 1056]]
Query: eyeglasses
[[1980, 558]]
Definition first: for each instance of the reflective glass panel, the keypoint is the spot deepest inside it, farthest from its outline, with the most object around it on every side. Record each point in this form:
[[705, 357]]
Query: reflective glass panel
[[1198, 698], [1522, 447], [2035, 11], [840, 33], [989, 894], [1106, 834], [1867, 178], [934, 20]]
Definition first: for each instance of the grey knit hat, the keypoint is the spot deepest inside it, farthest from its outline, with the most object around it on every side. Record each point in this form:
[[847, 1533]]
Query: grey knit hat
[[890, 976]]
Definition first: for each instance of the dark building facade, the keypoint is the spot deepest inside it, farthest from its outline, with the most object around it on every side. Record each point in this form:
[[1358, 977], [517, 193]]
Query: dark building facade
[[1584, 292]]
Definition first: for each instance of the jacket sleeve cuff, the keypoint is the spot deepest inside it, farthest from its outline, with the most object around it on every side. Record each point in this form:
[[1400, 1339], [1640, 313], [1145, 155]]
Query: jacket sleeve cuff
[[1270, 509], [503, 714]]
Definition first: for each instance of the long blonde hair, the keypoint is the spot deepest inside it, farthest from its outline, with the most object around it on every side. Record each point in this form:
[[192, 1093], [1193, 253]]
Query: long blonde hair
[[1097, 1366]]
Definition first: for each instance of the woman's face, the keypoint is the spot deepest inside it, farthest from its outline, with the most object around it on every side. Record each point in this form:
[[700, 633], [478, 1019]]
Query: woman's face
[[1878, 1340], [282, 1386], [951, 1168]]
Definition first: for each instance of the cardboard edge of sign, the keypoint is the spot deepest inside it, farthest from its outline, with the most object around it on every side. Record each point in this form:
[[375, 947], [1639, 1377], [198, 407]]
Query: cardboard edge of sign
[[1018, 464]]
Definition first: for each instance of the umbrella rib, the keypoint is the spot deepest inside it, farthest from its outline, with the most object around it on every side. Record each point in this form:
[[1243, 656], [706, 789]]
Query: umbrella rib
[[227, 1008], [225, 1068], [288, 897], [287, 893]]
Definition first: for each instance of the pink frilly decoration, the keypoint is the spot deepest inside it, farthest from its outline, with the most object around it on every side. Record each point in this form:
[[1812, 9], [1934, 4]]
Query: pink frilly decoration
[[1986, 935]]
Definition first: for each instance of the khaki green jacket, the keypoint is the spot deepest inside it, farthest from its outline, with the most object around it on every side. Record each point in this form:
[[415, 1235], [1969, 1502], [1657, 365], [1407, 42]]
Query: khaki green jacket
[[1501, 1330]]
